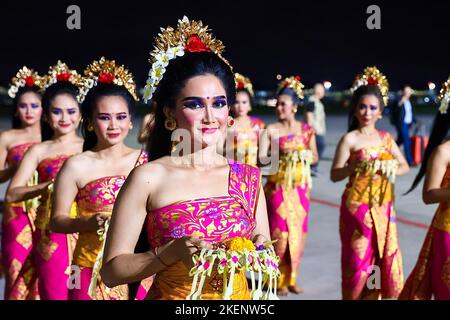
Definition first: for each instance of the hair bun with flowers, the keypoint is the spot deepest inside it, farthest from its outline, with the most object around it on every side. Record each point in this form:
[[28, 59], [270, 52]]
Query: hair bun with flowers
[[243, 82], [189, 36], [293, 83], [60, 72], [107, 72], [444, 96], [25, 77], [372, 76]]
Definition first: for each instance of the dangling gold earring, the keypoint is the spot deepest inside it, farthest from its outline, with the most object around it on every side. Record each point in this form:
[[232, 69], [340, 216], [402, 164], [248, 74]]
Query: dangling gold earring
[[131, 126], [170, 124], [380, 116], [295, 110], [90, 128], [230, 121]]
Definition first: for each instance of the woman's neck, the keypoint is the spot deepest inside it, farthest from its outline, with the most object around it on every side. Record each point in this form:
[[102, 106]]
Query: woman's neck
[[242, 118], [63, 138], [203, 159], [110, 151], [289, 123], [368, 130], [34, 129]]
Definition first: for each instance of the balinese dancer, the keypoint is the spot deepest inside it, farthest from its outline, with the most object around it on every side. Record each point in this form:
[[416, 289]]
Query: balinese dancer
[[431, 275], [287, 189], [52, 251], [195, 200], [94, 177], [244, 134], [371, 160], [18, 218]]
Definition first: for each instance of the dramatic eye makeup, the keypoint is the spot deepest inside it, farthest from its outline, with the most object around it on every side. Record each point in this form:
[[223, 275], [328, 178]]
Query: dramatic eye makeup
[[35, 105], [220, 102], [371, 107], [23, 105], [197, 102], [72, 111], [108, 116], [56, 111], [121, 116]]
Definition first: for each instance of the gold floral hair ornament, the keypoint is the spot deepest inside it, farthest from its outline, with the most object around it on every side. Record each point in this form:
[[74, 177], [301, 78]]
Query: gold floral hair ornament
[[25, 77], [61, 72], [372, 76], [444, 96], [243, 82], [189, 36], [293, 83], [108, 72]]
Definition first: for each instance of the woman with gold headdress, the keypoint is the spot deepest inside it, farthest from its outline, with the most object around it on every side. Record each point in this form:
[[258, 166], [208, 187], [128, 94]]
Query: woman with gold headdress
[[431, 275], [18, 218], [94, 177], [191, 198], [246, 129], [287, 189], [371, 159], [51, 251]]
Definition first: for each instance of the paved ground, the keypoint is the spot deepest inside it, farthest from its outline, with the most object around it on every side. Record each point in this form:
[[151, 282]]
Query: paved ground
[[320, 270]]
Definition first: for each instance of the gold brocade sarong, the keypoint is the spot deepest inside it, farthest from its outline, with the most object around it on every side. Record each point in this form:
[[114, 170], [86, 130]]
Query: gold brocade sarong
[[174, 283]]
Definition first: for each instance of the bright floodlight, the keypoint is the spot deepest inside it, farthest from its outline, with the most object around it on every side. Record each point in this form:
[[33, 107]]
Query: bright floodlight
[[278, 76], [431, 85], [327, 84]]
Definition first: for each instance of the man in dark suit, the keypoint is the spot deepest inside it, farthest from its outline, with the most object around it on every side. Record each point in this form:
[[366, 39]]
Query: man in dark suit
[[402, 117]]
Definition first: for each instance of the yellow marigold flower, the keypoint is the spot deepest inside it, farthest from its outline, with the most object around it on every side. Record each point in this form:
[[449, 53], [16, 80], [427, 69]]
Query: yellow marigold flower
[[385, 156], [239, 244]]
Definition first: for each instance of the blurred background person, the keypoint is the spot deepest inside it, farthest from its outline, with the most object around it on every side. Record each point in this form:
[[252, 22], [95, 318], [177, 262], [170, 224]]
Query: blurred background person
[[403, 118], [316, 118]]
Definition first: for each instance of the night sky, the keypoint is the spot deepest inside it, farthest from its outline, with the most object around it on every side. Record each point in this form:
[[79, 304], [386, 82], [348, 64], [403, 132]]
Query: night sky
[[318, 40]]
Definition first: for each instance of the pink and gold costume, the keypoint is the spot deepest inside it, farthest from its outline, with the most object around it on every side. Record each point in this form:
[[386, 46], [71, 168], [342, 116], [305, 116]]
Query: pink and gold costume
[[245, 147], [214, 219], [18, 223], [288, 205], [431, 275], [97, 196], [368, 231], [52, 253]]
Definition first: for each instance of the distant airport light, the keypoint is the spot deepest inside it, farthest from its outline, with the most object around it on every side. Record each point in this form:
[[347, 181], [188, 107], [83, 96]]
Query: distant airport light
[[271, 102], [431, 85], [327, 84]]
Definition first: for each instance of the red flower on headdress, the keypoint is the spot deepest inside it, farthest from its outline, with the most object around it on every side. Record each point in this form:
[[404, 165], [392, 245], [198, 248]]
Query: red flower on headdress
[[65, 76], [240, 85], [106, 78], [372, 81], [29, 81], [297, 78], [195, 44]]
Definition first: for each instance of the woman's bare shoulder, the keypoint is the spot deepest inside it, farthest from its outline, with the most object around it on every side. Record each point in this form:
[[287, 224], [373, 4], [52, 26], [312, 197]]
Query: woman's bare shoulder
[[442, 152], [152, 173]]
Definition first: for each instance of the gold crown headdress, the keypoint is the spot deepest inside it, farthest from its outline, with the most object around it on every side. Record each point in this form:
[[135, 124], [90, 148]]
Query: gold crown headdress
[[61, 72], [444, 96], [108, 72], [372, 76], [24, 77], [189, 36], [243, 82], [293, 83]]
